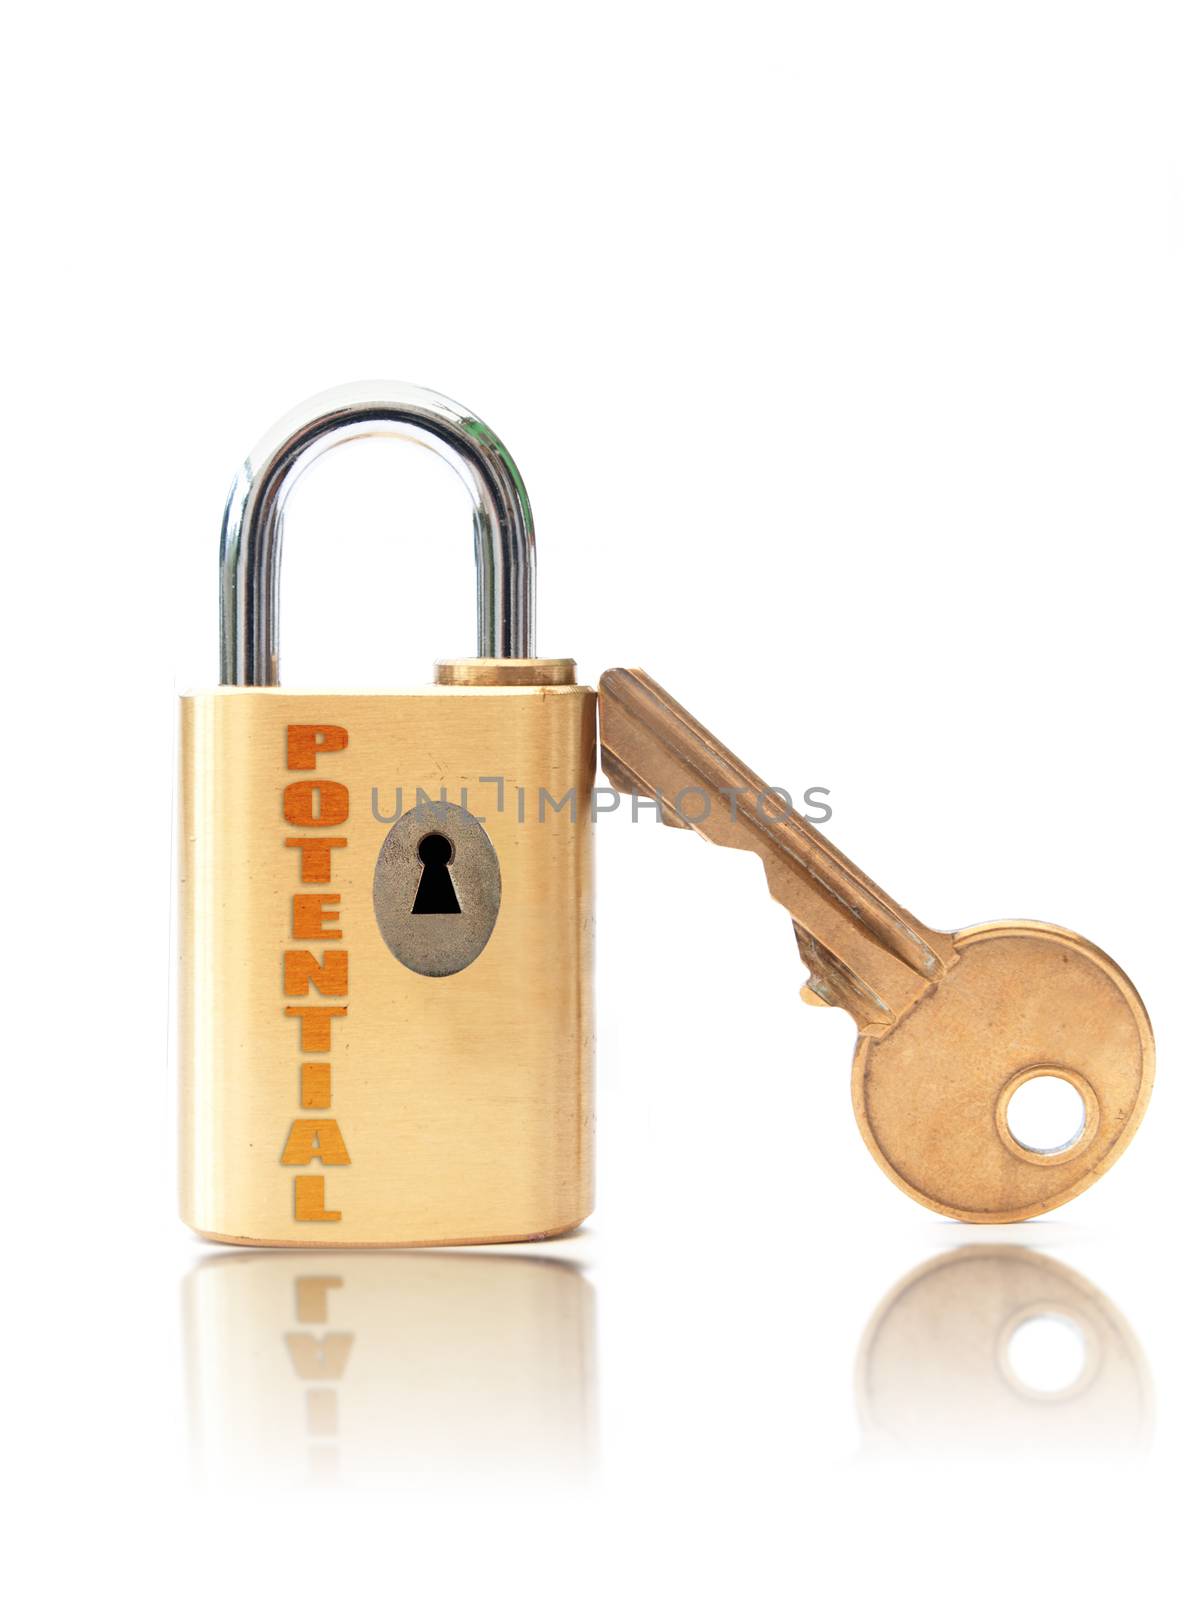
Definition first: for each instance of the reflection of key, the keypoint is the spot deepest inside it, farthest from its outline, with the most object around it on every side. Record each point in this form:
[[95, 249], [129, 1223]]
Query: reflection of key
[[951, 1025]]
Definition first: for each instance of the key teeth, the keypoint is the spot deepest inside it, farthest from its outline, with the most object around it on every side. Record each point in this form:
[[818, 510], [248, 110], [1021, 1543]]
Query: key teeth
[[621, 778], [624, 780], [877, 959], [832, 984]]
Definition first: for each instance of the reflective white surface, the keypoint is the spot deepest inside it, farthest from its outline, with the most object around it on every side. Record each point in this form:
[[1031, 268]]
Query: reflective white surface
[[500, 1417], [461, 1371], [425, 1369], [990, 1349]]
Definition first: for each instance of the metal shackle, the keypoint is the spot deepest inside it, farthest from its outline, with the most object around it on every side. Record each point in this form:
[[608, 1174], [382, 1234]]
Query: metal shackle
[[251, 540]]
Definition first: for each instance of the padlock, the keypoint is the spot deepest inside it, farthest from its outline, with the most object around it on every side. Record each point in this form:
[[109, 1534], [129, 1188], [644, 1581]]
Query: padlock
[[386, 989]]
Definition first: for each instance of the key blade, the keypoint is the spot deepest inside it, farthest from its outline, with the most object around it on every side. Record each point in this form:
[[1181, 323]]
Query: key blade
[[865, 953]]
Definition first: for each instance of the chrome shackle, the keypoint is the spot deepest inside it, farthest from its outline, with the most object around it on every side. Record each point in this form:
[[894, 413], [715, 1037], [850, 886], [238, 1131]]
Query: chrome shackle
[[251, 540]]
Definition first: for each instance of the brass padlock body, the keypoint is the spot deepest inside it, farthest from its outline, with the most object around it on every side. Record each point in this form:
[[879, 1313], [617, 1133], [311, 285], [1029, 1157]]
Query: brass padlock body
[[459, 1108]]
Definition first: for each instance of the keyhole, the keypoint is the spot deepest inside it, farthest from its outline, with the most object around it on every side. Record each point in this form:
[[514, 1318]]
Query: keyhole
[[435, 896]]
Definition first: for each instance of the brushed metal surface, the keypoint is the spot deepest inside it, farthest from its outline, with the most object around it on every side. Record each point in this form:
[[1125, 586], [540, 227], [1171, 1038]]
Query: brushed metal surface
[[464, 1103]]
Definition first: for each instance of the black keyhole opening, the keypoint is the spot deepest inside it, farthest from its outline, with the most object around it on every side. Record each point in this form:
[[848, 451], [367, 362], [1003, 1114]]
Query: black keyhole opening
[[435, 896]]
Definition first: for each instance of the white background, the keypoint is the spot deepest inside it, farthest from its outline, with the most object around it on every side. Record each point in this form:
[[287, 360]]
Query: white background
[[848, 352]]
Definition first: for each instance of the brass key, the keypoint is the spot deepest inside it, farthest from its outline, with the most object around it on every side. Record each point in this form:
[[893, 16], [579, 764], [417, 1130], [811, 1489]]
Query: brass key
[[951, 1024]]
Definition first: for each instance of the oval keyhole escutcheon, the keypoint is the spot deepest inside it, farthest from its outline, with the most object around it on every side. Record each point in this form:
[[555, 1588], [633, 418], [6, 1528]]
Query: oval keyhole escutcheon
[[437, 889]]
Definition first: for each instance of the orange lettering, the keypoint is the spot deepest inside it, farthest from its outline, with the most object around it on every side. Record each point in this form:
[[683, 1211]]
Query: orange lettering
[[309, 918], [302, 970], [315, 1025], [315, 803], [307, 739], [315, 857], [314, 1139], [309, 1202], [315, 1085]]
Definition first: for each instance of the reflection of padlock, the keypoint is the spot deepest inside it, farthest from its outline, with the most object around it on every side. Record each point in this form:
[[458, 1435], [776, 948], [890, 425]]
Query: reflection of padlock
[[405, 1368], [386, 1025]]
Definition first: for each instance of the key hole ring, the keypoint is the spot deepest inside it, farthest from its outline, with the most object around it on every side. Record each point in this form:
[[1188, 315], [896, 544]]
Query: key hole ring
[[1085, 1134]]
